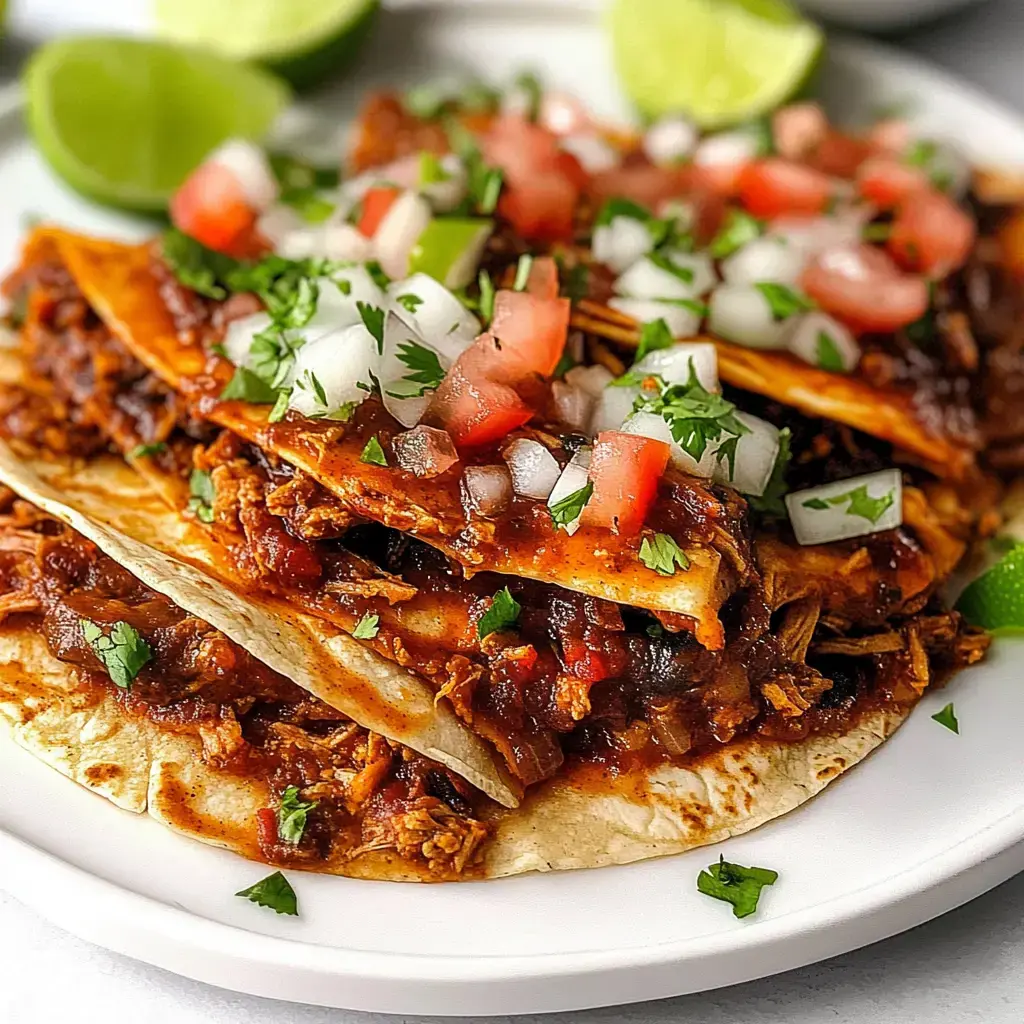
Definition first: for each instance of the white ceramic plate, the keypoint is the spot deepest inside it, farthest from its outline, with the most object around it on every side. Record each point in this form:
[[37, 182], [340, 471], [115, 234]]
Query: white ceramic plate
[[928, 822]]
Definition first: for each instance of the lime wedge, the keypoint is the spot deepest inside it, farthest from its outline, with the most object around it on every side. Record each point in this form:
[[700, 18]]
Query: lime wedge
[[718, 61], [124, 121], [995, 600], [450, 249], [303, 40]]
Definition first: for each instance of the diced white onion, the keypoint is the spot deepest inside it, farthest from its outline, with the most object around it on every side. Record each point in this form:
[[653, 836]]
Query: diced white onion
[[590, 379], [673, 364], [340, 360], [594, 154], [439, 317], [726, 149], [279, 221], [399, 231], [741, 313], [613, 405], [340, 294], [329, 241], [670, 140], [239, 336], [646, 280], [813, 234], [425, 451], [756, 453], [573, 406], [488, 488], [813, 525], [620, 243], [572, 479], [804, 340], [393, 371], [562, 113], [249, 166], [446, 195], [681, 321], [768, 258], [534, 469], [650, 424]]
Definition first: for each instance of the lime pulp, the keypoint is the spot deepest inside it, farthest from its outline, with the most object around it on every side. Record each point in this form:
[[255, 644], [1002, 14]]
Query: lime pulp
[[125, 121], [720, 62]]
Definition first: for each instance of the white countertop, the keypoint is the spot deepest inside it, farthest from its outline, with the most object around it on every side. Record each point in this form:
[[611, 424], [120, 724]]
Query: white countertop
[[964, 967]]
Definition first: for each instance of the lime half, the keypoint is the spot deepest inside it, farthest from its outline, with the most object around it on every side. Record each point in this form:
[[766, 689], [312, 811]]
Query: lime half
[[995, 600], [125, 121], [303, 40], [718, 61]]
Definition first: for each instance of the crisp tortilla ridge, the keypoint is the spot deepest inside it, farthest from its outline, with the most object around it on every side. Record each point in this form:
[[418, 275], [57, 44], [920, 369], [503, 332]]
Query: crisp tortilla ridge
[[114, 507]]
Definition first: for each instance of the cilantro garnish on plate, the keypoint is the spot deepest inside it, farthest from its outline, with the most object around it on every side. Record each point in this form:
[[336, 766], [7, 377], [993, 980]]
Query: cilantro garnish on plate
[[735, 884], [274, 892], [947, 717]]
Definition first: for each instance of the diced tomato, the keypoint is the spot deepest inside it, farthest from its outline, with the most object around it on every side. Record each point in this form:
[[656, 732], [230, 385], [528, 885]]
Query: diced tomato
[[886, 181], [211, 207], [531, 333], [475, 410], [540, 208], [266, 827], [644, 183], [542, 181], [722, 180], [798, 130], [625, 470], [840, 155], [862, 286], [583, 661], [376, 204], [543, 280], [773, 187], [931, 233]]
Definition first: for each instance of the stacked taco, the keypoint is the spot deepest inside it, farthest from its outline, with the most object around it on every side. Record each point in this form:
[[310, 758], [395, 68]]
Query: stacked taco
[[529, 501]]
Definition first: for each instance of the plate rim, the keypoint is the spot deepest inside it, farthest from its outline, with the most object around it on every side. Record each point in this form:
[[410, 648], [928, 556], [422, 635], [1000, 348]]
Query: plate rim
[[990, 855]]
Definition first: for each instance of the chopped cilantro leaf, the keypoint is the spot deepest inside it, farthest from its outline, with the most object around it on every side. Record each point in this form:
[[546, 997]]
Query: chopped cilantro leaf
[[654, 336], [662, 554], [373, 318], [827, 354], [503, 614], [655, 630], [292, 813], [308, 203], [770, 503], [565, 364], [367, 627], [877, 232], [523, 269], [427, 371], [859, 503], [529, 84], [200, 485], [373, 453], [376, 271], [660, 260], [246, 386], [280, 407], [195, 266], [485, 184], [486, 296], [695, 416], [123, 652], [409, 302], [479, 98], [921, 153], [568, 510], [427, 101], [275, 893], [142, 451], [576, 282], [947, 717], [783, 301], [739, 228], [619, 207], [293, 173], [735, 884]]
